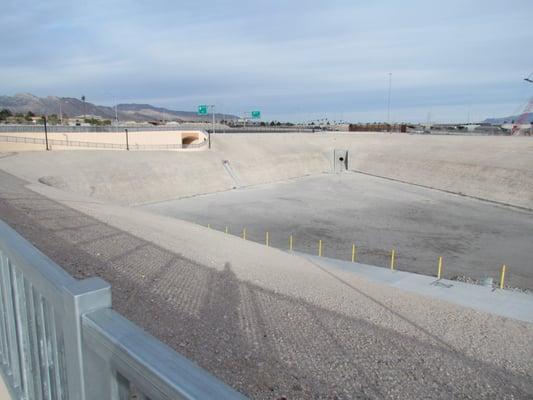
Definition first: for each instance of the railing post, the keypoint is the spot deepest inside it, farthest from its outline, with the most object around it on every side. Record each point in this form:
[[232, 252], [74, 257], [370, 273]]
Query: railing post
[[89, 295]]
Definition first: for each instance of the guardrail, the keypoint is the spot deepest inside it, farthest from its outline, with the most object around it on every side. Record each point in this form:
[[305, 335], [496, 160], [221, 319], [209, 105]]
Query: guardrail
[[100, 145], [60, 339]]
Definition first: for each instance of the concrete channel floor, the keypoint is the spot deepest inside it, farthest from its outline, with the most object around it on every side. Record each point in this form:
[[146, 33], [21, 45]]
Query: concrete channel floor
[[268, 344], [474, 237]]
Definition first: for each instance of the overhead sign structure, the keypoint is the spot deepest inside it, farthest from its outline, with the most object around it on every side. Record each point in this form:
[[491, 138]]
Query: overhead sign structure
[[256, 114], [202, 109]]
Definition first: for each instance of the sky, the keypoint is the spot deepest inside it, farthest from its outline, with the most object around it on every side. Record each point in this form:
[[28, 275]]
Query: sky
[[449, 61]]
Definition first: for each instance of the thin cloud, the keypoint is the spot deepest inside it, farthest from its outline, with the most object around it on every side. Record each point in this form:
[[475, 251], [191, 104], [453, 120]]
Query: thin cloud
[[294, 60]]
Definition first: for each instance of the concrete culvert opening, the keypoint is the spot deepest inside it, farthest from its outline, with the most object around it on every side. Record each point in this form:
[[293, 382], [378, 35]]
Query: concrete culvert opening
[[189, 139]]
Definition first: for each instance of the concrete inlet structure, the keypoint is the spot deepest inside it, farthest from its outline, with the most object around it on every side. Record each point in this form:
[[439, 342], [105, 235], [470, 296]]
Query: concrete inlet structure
[[272, 323]]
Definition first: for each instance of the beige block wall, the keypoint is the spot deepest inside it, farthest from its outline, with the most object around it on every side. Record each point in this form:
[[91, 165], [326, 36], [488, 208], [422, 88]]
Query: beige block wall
[[134, 138]]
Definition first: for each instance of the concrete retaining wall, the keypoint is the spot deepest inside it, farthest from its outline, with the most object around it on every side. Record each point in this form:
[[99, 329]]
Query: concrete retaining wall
[[495, 168]]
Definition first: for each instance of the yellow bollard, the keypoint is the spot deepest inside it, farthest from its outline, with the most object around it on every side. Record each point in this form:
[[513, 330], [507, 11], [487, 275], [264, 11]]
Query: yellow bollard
[[439, 270], [393, 253], [244, 233], [266, 239], [226, 229], [320, 248], [353, 252], [502, 277], [290, 243], [208, 226]]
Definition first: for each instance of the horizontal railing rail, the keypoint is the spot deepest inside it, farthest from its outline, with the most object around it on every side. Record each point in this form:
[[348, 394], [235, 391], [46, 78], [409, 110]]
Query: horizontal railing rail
[[144, 364], [60, 339]]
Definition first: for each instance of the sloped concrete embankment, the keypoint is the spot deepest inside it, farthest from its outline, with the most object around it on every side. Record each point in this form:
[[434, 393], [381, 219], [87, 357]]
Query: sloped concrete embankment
[[498, 169]]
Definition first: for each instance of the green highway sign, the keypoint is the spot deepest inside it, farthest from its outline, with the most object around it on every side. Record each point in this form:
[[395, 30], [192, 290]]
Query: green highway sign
[[202, 109], [256, 114]]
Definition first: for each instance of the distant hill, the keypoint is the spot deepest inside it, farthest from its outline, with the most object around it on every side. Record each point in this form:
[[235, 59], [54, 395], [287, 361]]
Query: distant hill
[[508, 120], [72, 107], [148, 112]]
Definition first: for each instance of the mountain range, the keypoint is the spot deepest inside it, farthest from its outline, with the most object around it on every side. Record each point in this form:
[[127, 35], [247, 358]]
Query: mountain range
[[509, 119], [73, 107]]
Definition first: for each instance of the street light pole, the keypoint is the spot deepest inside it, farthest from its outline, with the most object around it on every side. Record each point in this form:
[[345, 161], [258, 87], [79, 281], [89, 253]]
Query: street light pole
[[84, 107], [213, 111], [116, 112], [212, 130], [388, 101], [46, 133], [127, 140]]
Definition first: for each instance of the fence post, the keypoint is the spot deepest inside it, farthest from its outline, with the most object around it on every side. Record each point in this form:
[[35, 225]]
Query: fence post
[[290, 243], [439, 270], [320, 248], [392, 255], [353, 252], [266, 239], [244, 233]]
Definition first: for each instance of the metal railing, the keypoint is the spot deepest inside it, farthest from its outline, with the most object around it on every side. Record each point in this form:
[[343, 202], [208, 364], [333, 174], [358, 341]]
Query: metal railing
[[99, 145], [60, 339], [264, 129], [38, 128]]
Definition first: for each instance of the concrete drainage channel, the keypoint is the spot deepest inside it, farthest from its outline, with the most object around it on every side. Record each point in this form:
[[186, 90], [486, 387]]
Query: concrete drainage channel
[[506, 303]]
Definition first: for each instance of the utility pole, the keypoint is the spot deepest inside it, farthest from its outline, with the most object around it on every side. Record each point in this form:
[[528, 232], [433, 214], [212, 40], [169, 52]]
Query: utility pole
[[46, 133], [60, 113], [388, 101]]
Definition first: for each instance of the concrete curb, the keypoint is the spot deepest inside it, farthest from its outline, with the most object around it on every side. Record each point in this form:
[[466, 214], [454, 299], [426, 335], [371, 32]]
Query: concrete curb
[[506, 303]]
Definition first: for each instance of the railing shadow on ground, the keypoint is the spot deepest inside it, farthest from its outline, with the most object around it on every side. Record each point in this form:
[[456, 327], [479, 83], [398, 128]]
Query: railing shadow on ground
[[59, 338]]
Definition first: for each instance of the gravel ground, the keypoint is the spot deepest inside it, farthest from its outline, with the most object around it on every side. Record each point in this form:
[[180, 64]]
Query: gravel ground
[[263, 342], [474, 237]]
